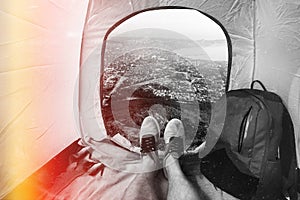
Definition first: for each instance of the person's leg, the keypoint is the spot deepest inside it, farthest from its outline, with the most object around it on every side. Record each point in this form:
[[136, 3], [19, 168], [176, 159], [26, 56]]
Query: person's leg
[[179, 186], [186, 182]]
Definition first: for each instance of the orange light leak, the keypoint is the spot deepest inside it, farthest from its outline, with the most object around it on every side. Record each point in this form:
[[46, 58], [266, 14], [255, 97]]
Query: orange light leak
[[40, 65], [18, 118]]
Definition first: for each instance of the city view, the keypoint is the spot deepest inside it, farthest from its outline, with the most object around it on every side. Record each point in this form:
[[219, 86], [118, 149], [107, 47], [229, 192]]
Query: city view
[[137, 81]]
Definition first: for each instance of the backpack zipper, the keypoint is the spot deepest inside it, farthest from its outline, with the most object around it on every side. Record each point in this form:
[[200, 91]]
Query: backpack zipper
[[244, 129]]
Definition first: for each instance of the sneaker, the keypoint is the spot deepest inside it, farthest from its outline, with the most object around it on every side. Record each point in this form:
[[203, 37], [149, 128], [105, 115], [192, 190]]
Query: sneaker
[[174, 139], [149, 134]]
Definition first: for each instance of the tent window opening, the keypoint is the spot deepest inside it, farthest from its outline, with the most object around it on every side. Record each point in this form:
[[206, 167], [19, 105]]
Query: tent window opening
[[167, 63]]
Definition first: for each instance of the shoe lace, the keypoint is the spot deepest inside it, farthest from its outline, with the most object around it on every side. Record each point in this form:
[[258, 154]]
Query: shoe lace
[[148, 144]]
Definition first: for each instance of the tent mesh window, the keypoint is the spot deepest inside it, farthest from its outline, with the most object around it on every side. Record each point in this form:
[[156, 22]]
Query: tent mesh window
[[154, 71]]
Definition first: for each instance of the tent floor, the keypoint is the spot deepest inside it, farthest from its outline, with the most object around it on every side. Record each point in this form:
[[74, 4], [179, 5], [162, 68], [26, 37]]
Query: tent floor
[[46, 176], [72, 175]]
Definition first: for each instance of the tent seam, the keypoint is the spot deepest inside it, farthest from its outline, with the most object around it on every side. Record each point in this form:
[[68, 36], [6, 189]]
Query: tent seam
[[254, 39]]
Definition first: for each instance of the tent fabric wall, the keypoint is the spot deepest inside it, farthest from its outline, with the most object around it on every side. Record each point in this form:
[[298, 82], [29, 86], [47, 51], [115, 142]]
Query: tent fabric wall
[[236, 16], [277, 53], [39, 64]]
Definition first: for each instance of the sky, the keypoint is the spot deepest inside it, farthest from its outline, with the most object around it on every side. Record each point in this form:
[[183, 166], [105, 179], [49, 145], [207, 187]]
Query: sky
[[188, 22]]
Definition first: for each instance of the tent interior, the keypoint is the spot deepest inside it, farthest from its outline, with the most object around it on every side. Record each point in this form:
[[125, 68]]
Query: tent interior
[[55, 142]]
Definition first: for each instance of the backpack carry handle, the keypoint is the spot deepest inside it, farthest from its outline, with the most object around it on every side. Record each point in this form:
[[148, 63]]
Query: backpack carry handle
[[260, 83]]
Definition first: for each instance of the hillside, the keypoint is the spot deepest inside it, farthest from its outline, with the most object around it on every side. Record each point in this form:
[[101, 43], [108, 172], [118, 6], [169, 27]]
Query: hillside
[[160, 77]]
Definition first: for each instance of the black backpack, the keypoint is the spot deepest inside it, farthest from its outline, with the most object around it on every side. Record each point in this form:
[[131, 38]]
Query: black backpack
[[255, 156]]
